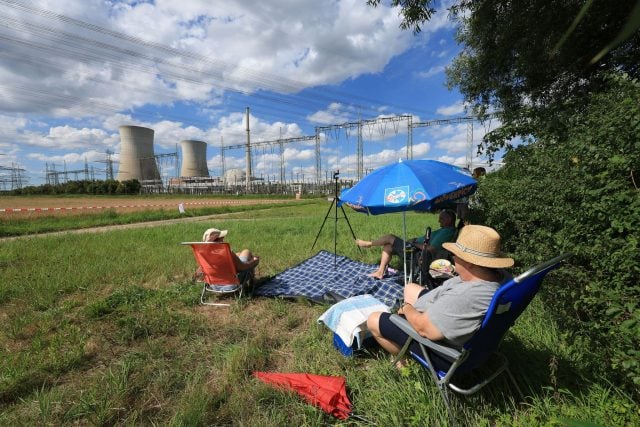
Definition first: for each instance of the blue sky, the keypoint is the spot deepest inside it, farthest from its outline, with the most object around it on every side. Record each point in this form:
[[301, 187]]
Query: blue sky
[[73, 71]]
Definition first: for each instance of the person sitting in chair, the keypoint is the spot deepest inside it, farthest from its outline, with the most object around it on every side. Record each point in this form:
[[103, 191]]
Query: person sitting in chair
[[454, 311], [394, 245], [244, 260]]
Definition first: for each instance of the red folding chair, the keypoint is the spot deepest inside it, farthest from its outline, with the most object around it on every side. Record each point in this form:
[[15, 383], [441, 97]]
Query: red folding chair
[[217, 270]]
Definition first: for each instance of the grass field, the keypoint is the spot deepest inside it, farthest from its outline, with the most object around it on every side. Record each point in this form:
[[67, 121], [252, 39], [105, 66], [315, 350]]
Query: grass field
[[116, 211], [105, 329]]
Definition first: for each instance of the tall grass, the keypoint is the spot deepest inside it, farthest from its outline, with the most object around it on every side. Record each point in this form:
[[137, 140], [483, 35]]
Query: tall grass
[[105, 329]]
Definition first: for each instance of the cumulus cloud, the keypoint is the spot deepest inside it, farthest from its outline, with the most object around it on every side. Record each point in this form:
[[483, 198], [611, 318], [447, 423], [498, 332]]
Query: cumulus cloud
[[432, 71], [334, 113], [158, 52], [453, 109], [187, 70]]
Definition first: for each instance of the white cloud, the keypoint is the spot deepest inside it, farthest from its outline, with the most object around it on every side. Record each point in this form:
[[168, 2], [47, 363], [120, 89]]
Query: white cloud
[[432, 71], [421, 150], [334, 113], [449, 110], [292, 155], [176, 67], [184, 51], [458, 161], [71, 158]]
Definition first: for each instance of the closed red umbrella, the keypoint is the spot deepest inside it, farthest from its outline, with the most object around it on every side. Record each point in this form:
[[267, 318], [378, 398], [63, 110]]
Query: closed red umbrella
[[327, 392]]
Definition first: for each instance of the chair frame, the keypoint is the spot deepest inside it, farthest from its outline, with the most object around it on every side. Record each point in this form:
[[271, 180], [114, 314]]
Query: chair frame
[[420, 259], [484, 342], [229, 271]]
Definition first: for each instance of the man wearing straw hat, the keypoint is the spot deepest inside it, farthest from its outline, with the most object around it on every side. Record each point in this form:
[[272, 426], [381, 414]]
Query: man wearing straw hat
[[454, 311]]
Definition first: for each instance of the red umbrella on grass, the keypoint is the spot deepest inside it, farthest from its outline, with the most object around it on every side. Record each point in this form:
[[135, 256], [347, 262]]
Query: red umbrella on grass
[[327, 392]]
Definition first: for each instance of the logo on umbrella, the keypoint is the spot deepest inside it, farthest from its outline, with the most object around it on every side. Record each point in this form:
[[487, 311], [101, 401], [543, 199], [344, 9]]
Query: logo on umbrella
[[418, 196], [395, 196]]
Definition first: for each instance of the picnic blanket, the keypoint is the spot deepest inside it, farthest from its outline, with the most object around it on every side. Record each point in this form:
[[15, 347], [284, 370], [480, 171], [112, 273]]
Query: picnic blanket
[[348, 318], [316, 276]]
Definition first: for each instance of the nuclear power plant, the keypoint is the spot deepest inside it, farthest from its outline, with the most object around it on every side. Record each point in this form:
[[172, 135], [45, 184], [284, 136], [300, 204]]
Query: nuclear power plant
[[137, 159], [269, 166], [194, 159]]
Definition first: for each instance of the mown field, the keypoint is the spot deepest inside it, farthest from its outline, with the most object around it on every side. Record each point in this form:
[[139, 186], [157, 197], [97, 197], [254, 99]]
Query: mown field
[[106, 329], [43, 214]]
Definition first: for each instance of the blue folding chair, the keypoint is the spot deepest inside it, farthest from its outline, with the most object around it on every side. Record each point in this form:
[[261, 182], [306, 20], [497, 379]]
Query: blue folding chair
[[507, 304]]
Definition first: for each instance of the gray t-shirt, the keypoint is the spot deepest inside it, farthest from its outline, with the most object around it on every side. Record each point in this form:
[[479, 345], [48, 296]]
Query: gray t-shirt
[[457, 308]]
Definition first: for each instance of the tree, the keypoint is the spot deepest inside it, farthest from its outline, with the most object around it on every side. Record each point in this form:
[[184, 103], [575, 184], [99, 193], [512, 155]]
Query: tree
[[581, 195], [414, 12], [563, 76], [509, 63], [529, 61]]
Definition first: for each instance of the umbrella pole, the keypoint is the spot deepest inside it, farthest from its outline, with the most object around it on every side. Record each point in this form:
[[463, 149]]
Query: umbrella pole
[[404, 239]]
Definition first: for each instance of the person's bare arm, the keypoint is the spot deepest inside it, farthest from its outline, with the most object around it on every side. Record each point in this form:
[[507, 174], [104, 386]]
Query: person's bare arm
[[421, 322]]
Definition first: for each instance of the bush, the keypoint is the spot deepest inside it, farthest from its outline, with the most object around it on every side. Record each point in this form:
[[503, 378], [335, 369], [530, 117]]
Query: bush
[[580, 195], [83, 187]]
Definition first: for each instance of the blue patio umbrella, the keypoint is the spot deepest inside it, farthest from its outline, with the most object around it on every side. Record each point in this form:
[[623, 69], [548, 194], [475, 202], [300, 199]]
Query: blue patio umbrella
[[410, 185]]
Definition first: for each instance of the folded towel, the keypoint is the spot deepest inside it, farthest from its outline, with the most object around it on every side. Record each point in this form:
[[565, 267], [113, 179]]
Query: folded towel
[[348, 318]]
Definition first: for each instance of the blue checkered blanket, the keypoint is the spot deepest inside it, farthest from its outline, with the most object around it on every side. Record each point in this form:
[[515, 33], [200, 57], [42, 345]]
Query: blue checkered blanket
[[316, 276]]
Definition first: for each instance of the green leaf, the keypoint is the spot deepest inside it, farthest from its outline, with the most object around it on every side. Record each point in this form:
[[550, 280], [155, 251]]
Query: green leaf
[[574, 24], [630, 27]]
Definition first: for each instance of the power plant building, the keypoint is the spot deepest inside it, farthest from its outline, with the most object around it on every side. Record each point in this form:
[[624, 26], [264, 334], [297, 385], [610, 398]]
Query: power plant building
[[137, 159], [194, 159]]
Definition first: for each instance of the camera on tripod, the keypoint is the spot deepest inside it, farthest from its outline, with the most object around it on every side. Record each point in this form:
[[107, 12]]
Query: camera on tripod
[[335, 204]]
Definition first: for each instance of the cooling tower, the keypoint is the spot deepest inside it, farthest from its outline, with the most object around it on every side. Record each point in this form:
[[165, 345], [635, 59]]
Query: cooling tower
[[137, 160], [194, 158]]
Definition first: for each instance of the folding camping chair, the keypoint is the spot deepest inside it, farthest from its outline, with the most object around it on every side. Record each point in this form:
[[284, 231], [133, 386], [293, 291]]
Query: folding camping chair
[[420, 260], [219, 275], [417, 258], [507, 304]]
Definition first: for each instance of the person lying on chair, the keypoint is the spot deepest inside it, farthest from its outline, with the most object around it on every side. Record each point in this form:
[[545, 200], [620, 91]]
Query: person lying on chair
[[454, 311], [394, 245], [243, 260]]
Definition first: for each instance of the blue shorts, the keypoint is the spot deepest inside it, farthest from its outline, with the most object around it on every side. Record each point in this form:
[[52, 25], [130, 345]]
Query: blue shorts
[[393, 333]]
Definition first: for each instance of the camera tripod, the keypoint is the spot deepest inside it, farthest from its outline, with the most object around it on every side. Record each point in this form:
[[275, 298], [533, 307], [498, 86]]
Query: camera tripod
[[335, 204]]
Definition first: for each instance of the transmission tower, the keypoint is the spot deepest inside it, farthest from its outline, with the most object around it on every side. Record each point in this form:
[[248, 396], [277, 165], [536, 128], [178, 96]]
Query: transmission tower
[[108, 165]]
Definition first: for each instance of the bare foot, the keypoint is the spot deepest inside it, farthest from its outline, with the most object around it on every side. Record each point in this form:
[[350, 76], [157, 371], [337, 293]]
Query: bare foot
[[376, 275], [363, 243]]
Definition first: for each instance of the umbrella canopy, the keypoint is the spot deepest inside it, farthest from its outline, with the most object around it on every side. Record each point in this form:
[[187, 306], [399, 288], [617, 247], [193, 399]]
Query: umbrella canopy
[[410, 185], [327, 392]]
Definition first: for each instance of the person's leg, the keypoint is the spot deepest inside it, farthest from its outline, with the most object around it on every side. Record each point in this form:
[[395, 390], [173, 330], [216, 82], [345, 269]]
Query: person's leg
[[412, 292], [392, 338], [385, 258], [245, 255], [373, 323], [387, 239], [387, 242]]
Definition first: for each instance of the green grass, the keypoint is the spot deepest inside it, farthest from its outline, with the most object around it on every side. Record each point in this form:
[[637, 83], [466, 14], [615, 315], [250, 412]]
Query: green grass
[[11, 225], [105, 329]]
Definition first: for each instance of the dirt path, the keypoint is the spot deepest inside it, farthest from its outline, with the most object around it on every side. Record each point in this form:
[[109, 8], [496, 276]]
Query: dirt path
[[105, 228], [18, 205], [69, 206]]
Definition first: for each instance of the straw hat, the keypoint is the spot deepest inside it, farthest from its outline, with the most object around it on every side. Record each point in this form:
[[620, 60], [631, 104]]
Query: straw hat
[[213, 233], [479, 245]]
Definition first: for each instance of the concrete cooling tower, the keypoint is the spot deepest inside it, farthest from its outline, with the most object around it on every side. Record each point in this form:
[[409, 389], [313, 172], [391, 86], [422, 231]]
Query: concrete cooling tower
[[137, 160], [194, 158]]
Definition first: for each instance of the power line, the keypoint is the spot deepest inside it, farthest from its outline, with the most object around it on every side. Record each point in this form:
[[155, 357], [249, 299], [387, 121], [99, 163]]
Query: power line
[[249, 77]]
